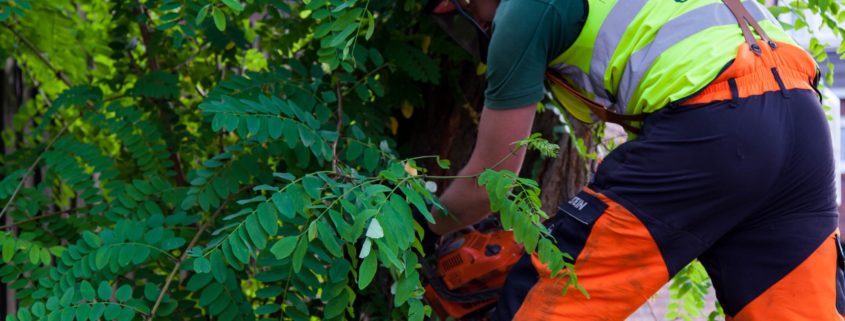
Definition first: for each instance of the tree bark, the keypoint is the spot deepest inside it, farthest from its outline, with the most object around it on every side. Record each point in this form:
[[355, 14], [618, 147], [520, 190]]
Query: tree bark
[[447, 128], [9, 102]]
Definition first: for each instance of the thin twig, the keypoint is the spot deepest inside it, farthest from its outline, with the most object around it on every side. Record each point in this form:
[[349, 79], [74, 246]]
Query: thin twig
[[339, 126], [35, 218], [40, 56], [186, 251], [32, 167], [192, 57], [364, 79]]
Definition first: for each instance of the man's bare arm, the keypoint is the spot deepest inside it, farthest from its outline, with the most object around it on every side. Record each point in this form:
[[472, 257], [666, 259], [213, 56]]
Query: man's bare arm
[[498, 129]]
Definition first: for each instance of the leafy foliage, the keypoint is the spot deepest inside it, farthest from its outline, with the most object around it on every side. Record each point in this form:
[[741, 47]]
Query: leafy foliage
[[231, 159], [224, 158]]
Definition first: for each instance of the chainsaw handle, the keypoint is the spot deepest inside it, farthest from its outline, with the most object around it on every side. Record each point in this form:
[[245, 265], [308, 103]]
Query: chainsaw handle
[[437, 284]]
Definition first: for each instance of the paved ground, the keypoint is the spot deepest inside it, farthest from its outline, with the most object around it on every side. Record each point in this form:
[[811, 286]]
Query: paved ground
[[655, 309]]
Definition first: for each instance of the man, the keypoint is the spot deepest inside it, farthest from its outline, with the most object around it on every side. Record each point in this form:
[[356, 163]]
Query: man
[[731, 163]]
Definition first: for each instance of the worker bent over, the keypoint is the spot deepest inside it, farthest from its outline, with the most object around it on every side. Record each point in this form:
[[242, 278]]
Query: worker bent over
[[731, 164]]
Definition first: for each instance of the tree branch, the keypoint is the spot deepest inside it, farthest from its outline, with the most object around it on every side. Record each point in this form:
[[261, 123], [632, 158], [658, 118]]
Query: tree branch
[[145, 36], [32, 167], [38, 54], [339, 126], [192, 57], [35, 218], [184, 256]]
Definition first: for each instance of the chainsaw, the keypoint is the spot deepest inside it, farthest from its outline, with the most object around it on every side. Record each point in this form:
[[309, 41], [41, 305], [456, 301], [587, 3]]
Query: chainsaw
[[471, 267]]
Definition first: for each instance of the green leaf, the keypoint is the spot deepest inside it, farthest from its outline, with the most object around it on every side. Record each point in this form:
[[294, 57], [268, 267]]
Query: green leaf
[[8, 249], [154, 236], [219, 19], [101, 258], [274, 127], [126, 314], [201, 15], [256, 234], [405, 287], [218, 267], [267, 309], [82, 312], [284, 203], [210, 294], [52, 303], [329, 238], [67, 298], [416, 311], [23, 315], [96, 311], [234, 5], [371, 158], [38, 309], [124, 293], [157, 84], [35, 254], [267, 218], [371, 25], [202, 265], [67, 314], [336, 306], [87, 291], [92, 239], [312, 186], [340, 38], [104, 291], [239, 249], [284, 247], [367, 271], [112, 311], [299, 254]]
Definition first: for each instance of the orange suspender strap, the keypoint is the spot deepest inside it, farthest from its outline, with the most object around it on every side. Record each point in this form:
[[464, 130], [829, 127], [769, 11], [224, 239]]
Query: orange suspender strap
[[597, 109]]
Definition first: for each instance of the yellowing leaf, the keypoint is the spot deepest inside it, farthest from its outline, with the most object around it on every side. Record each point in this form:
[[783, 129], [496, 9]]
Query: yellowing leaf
[[410, 170], [426, 43], [407, 109], [393, 124], [481, 68]]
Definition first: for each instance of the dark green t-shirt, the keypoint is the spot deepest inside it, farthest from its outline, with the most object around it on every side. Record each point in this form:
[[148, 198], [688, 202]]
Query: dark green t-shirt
[[527, 35]]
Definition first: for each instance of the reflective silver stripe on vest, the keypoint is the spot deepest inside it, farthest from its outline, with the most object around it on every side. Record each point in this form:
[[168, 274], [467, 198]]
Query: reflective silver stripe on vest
[[577, 76], [673, 32], [608, 38], [610, 35]]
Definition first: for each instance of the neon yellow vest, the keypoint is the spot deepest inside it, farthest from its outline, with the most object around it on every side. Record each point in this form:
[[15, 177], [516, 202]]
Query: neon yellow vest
[[637, 56]]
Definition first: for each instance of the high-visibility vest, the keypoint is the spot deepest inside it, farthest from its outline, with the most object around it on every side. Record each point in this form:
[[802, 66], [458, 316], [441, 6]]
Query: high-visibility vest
[[637, 56]]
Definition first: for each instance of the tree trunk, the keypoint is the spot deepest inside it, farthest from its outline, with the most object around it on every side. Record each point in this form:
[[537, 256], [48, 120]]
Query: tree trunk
[[448, 128], [9, 101]]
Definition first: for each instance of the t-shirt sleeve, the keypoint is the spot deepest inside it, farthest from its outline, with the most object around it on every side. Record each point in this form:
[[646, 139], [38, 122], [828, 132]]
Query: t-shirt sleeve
[[527, 35]]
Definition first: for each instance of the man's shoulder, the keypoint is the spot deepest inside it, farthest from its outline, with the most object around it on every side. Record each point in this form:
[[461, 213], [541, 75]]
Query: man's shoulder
[[561, 11], [560, 6]]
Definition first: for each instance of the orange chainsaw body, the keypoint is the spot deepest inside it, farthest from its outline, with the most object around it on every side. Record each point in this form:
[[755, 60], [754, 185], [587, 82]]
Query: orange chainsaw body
[[473, 262]]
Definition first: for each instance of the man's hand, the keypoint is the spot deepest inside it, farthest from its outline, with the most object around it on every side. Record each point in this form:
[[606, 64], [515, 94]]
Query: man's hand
[[498, 130]]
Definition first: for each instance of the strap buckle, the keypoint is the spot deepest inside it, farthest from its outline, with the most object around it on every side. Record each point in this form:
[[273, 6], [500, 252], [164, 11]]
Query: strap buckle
[[744, 19]]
